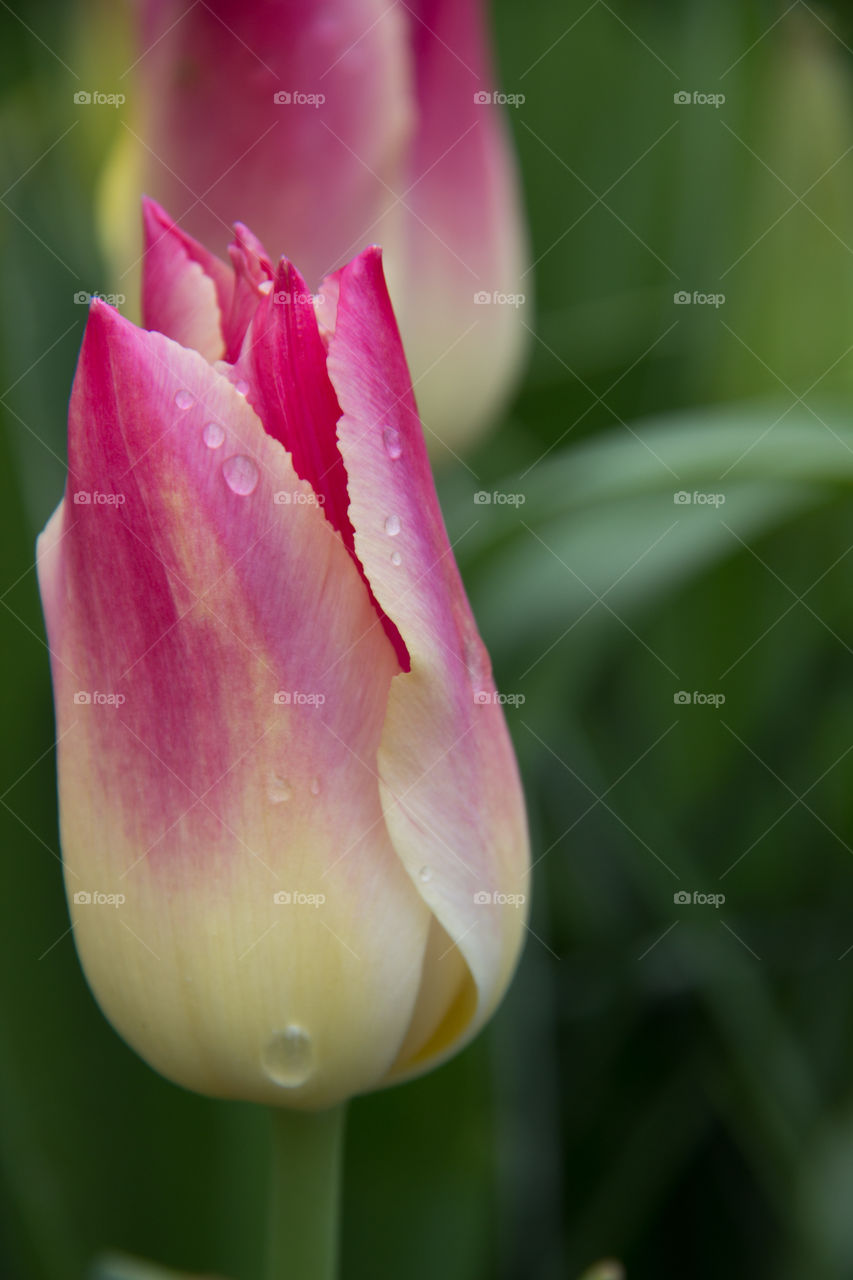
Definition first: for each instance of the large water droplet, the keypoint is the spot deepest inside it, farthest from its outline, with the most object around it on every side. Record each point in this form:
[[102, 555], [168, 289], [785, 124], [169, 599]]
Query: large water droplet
[[184, 399], [213, 435], [288, 1057], [396, 559], [279, 789], [392, 526], [393, 443], [241, 387], [241, 474], [315, 786]]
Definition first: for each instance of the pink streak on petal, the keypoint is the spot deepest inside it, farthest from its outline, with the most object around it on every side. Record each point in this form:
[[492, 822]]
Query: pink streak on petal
[[284, 362], [196, 601]]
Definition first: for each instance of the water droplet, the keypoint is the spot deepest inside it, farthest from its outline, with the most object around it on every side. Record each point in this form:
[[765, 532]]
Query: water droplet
[[425, 874], [392, 526], [391, 440], [265, 286], [241, 474], [213, 435], [288, 1057], [184, 399], [315, 787], [396, 558], [241, 387], [279, 789]]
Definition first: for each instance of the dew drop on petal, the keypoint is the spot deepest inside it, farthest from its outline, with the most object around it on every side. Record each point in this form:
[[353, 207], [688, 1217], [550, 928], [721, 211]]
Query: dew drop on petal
[[241, 474], [425, 874], [184, 399], [396, 558], [391, 440], [315, 787], [288, 1057], [278, 790], [392, 526], [241, 387], [213, 435]]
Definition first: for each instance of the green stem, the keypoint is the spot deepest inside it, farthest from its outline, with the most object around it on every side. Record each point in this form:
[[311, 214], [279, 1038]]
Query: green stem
[[307, 1150]]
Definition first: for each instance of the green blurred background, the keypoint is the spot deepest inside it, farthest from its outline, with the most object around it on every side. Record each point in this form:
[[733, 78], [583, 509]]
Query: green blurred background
[[666, 1084]]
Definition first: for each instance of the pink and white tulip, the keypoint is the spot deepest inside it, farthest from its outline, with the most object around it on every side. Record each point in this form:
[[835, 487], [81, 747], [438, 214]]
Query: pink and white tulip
[[292, 826], [384, 139]]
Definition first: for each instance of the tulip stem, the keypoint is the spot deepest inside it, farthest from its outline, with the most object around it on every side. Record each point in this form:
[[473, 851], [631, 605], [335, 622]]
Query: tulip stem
[[307, 1155]]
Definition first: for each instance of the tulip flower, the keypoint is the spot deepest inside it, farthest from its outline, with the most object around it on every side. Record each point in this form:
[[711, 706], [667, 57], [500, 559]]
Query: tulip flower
[[328, 126], [292, 828]]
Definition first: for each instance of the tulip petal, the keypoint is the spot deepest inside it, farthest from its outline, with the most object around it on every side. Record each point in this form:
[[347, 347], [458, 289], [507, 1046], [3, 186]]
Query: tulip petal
[[197, 580], [252, 276], [289, 387], [324, 115], [465, 238], [186, 291], [450, 789]]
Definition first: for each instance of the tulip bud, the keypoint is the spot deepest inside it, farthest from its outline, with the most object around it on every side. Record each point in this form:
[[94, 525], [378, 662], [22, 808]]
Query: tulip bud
[[330, 126], [292, 827]]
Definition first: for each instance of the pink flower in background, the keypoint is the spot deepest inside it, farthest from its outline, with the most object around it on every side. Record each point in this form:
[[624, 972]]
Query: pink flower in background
[[331, 125], [292, 826]]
